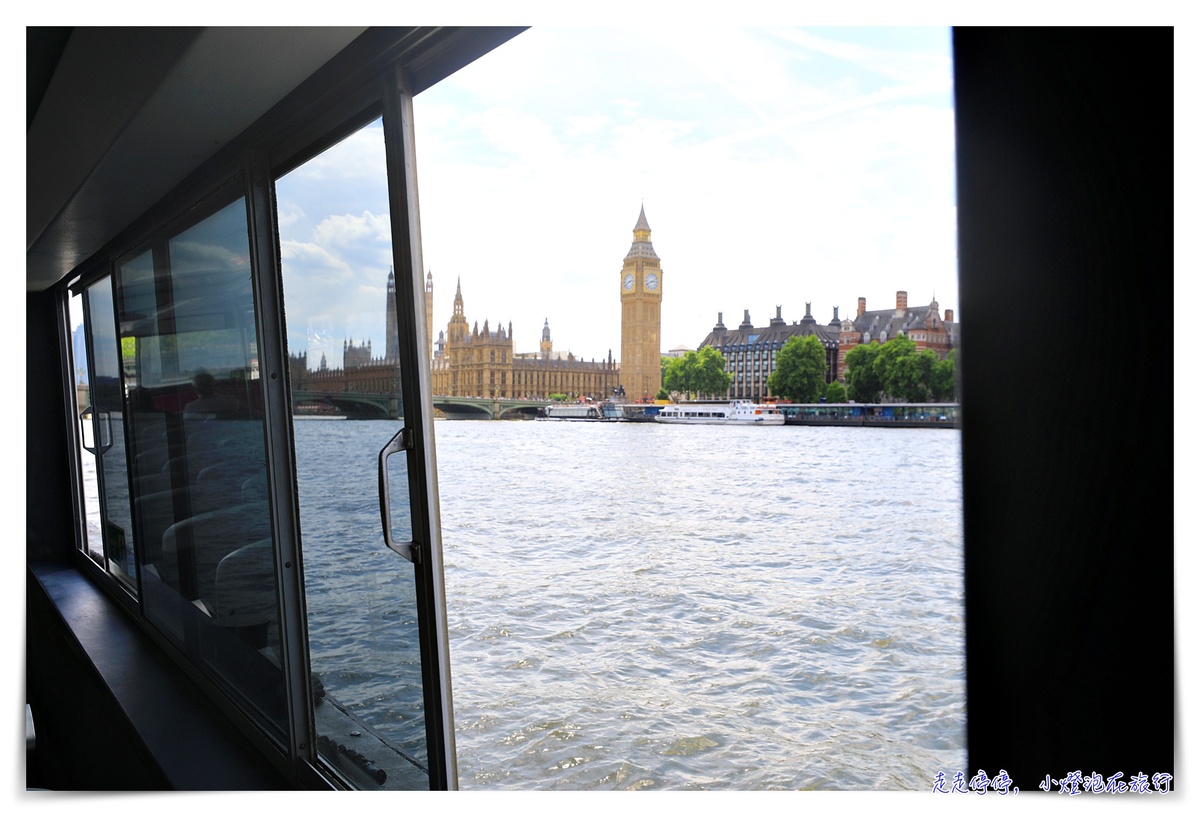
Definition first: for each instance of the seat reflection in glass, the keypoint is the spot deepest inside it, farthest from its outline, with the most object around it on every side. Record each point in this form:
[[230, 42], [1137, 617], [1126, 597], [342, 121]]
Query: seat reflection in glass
[[208, 403]]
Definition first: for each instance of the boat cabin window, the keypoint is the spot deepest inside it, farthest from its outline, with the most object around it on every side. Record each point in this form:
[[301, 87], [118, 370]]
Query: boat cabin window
[[178, 469], [291, 573]]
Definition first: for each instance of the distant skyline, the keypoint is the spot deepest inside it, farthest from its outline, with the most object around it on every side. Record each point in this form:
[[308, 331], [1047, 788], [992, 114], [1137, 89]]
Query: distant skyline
[[804, 165]]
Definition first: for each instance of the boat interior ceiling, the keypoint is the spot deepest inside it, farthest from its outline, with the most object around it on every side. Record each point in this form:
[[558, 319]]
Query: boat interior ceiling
[[119, 117]]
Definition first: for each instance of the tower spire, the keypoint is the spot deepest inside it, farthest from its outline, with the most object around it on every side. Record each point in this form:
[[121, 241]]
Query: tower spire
[[642, 226], [641, 248]]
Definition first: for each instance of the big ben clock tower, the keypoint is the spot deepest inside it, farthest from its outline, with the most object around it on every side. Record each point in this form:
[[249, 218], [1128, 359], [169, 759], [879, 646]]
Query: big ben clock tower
[[641, 316]]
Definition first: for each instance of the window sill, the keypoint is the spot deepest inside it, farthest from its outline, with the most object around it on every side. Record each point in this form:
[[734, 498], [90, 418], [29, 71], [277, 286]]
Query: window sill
[[194, 746]]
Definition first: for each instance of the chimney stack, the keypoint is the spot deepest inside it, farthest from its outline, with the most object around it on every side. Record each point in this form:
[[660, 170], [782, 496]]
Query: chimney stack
[[862, 307], [949, 316], [901, 303]]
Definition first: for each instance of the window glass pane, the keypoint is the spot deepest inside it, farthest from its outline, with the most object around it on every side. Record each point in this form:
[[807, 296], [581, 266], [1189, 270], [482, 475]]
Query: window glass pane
[[344, 363], [189, 348], [93, 541], [108, 422]]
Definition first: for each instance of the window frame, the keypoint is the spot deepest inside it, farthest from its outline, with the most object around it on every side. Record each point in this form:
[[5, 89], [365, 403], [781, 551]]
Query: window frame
[[325, 109]]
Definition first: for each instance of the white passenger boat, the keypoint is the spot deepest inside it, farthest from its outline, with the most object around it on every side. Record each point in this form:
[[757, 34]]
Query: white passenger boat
[[573, 411], [738, 413]]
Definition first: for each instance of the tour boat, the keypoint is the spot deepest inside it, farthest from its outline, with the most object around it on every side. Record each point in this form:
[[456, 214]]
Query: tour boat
[[738, 413], [573, 411]]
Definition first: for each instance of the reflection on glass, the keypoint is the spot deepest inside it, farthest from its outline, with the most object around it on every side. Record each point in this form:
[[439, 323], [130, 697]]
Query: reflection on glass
[[400, 514], [107, 421], [189, 353], [360, 596], [93, 537]]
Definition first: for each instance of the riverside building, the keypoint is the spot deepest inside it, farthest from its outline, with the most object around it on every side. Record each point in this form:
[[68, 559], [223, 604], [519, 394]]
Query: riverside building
[[750, 351], [922, 324], [472, 362]]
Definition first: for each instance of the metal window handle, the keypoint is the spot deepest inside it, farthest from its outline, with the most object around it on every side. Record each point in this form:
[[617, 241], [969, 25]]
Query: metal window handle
[[403, 441], [86, 421], [106, 435], [98, 446]]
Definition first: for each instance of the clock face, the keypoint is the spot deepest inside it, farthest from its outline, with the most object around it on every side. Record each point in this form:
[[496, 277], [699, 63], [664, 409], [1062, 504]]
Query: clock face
[[651, 281], [628, 282]]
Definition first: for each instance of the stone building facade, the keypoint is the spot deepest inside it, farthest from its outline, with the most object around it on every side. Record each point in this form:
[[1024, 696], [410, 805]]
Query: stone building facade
[[473, 362], [750, 351], [641, 283]]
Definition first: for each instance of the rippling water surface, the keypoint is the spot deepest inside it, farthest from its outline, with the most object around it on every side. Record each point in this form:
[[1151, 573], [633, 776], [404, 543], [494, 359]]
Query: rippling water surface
[[635, 606]]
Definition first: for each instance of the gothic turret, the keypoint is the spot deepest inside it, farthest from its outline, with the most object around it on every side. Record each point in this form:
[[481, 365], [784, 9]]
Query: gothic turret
[[641, 247], [392, 349], [458, 329]]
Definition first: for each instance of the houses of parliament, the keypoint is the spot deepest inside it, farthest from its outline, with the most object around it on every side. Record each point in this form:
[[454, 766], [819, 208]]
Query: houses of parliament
[[473, 361]]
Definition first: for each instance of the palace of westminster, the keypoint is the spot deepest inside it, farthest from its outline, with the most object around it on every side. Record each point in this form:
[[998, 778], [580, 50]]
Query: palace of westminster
[[469, 361]]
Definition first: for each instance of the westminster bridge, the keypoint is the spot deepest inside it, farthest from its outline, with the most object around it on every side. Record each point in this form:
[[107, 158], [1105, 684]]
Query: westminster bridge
[[387, 406]]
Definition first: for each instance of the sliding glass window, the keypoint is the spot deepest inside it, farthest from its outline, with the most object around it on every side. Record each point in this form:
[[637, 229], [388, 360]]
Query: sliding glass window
[[193, 419]]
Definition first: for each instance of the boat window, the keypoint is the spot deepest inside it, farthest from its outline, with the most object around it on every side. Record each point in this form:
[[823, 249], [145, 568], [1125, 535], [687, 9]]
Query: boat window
[[361, 597], [189, 351], [172, 453], [90, 541], [107, 536]]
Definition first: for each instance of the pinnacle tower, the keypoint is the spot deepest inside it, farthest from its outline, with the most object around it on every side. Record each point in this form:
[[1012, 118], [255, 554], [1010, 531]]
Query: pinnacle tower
[[641, 315]]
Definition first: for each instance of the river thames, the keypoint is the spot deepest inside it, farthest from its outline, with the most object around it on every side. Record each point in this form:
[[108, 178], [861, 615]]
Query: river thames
[[636, 606]]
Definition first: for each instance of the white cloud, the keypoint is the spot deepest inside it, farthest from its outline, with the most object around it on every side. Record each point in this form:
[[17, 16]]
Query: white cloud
[[777, 167], [307, 258], [347, 230]]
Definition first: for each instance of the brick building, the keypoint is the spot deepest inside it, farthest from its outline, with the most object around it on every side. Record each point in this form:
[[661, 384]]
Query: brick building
[[923, 325]]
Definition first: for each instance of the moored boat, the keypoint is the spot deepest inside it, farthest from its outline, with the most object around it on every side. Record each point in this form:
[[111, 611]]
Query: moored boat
[[572, 411], [739, 412]]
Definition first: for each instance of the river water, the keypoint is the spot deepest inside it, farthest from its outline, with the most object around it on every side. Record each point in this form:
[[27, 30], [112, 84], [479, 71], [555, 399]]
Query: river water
[[635, 606]]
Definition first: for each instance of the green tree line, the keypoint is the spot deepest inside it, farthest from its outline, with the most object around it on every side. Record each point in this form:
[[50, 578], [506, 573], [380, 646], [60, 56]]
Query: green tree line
[[895, 369]]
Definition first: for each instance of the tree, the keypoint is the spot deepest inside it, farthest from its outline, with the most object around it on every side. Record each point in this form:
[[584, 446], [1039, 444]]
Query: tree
[[701, 372], [799, 370], [943, 386], [862, 384], [709, 374], [900, 371], [835, 392]]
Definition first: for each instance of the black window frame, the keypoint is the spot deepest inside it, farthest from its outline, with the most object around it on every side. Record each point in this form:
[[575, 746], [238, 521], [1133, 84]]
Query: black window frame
[[373, 78]]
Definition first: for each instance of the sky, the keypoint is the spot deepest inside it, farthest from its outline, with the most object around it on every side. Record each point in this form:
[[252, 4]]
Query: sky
[[802, 165], [777, 166]]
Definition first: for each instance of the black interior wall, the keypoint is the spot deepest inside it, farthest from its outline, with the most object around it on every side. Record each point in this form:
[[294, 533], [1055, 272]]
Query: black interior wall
[[48, 531], [1065, 248], [84, 740]]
